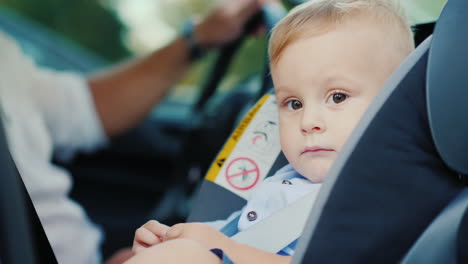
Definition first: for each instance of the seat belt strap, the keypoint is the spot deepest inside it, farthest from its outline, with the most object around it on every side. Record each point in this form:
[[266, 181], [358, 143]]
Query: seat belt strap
[[230, 229], [284, 226]]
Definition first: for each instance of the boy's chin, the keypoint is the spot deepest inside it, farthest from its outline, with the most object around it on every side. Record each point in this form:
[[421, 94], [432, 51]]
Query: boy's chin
[[315, 178], [315, 169], [317, 174]]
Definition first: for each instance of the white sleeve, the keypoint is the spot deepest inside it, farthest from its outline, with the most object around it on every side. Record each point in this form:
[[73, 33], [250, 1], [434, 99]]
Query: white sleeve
[[29, 97], [68, 109]]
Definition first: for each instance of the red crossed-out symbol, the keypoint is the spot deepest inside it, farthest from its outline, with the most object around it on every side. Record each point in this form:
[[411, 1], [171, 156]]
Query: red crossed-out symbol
[[242, 173]]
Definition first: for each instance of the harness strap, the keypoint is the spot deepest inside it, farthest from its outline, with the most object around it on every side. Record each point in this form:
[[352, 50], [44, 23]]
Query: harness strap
[[284, 226], [230, 229]]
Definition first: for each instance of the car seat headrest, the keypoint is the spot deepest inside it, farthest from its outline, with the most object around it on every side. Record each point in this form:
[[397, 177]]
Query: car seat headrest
[[447, 86]]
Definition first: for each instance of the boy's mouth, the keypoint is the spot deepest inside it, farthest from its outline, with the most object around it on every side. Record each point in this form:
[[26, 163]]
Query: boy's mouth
[[316, 149]]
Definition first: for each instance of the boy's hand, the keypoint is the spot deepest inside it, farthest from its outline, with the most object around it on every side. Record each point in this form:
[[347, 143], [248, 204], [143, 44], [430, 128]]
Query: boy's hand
[[149, 234], [202, 233]]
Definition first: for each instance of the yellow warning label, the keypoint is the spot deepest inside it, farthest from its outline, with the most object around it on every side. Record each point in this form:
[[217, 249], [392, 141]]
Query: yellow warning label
[[233, 139]]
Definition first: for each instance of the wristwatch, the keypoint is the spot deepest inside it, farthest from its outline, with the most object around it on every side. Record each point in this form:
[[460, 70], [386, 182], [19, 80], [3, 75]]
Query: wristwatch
[[195, 50]]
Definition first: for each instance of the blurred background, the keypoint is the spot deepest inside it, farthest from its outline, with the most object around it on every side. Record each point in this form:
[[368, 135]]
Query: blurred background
[[152, 171], [116, 29]]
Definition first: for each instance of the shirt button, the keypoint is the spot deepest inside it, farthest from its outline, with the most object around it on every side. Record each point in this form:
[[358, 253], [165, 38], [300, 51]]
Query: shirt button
[[286, 182], [252, 216]]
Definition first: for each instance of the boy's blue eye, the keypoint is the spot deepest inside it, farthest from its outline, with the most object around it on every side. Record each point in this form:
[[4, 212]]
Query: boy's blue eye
[[294, 105]]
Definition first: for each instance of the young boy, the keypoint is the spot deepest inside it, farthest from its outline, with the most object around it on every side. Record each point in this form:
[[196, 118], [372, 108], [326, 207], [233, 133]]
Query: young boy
[[328, 60]]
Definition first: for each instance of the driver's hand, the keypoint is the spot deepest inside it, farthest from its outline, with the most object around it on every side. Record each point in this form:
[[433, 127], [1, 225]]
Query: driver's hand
[[148, 235], [226, 22]]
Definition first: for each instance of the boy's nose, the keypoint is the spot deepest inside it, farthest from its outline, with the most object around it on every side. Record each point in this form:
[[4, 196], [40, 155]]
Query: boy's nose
[[312, 122], [312, 129]]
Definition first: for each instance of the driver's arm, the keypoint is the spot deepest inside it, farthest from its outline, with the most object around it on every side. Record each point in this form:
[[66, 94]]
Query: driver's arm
[[125, 94]]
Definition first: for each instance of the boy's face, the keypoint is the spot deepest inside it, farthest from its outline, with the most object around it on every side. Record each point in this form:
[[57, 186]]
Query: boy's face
[[324, 83]]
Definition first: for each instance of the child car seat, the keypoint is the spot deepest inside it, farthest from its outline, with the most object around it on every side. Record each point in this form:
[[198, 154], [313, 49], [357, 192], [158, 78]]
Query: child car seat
[[404, 163], [390, 167], [445, 238]]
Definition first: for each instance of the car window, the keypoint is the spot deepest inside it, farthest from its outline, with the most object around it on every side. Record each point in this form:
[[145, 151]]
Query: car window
[[421, 11], [153, 24], [121, 28], [135, 28], [46, 47]]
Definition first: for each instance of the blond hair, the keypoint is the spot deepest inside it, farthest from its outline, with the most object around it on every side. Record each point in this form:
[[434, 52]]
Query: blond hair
[[317, 16]]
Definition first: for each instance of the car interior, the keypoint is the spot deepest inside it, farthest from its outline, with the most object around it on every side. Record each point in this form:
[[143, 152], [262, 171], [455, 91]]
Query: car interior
[[147, 174]]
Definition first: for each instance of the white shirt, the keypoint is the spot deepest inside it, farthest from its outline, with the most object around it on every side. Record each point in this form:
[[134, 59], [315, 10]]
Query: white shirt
[[45, 111], [274, 193]]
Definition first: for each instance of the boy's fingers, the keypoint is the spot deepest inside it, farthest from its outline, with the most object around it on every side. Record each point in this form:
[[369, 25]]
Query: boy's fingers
[[137, 248], [156, 228], [146, 237], [174, 232]]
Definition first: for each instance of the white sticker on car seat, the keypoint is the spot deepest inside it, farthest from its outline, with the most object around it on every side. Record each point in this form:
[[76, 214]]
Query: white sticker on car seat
[[251, 150]]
